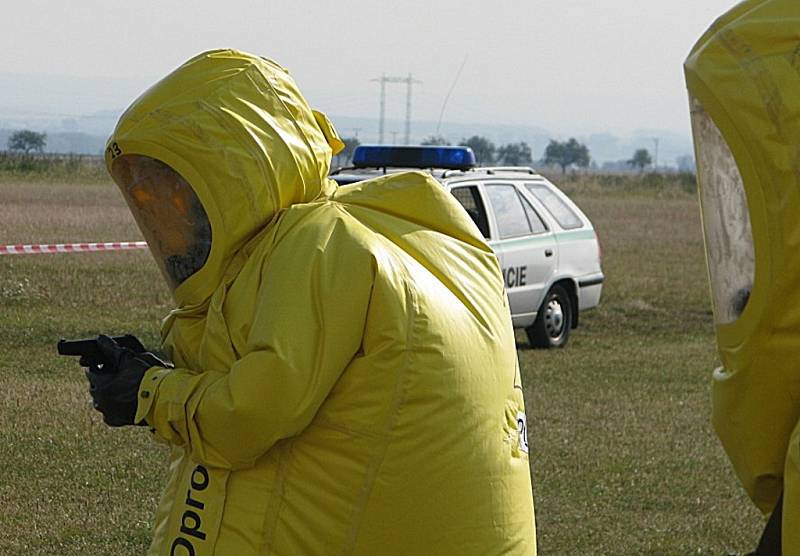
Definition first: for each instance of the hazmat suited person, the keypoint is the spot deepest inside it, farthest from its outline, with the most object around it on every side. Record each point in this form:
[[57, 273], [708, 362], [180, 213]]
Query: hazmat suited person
[[345, 377], [743, 77]]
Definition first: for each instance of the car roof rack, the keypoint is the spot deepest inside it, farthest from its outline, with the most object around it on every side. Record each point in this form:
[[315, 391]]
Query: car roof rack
[[491, 170], [357, 169], [449, 173], [495, 169]]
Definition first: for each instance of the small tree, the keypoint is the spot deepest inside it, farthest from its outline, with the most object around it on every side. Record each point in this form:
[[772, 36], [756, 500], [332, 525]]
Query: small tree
[[435, 140], [26, 140], [579, 153], [554, 155], [515, 154], [567, 154], [641, 159], [483, 148]]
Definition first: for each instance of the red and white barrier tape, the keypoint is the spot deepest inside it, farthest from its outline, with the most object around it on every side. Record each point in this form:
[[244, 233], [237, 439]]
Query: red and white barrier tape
[[70, 247]]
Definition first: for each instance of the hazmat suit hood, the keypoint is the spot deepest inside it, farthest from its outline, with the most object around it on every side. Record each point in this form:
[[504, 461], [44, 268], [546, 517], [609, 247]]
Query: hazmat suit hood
[[743, 77], [237, 129]]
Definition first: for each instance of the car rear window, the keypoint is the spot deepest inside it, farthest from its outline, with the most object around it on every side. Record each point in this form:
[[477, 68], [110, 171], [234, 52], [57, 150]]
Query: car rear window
[[537, 224], [508, 211], [560, 210]]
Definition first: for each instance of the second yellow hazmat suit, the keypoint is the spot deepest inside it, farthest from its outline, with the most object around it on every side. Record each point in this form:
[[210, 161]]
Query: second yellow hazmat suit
[[346, 377], [743, 77]]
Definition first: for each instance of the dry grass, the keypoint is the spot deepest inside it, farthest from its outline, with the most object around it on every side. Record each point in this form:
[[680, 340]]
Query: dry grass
[[43, 213], [71, 485], [52, 168], [623, 458]]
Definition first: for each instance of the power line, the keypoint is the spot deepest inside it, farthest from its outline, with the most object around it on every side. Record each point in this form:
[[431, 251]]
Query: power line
[[450, 92]]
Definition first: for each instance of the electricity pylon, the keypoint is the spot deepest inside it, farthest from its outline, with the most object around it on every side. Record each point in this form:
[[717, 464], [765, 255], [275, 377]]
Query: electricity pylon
[[409, 81]]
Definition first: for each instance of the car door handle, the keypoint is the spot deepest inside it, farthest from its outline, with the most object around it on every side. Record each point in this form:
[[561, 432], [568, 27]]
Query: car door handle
[[548, 252]]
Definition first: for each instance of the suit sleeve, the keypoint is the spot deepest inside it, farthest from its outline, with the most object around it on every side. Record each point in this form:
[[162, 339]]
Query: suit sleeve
[[311, 308]]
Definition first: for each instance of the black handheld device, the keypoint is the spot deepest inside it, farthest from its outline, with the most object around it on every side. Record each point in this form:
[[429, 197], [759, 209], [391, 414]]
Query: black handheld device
[[89, 351]]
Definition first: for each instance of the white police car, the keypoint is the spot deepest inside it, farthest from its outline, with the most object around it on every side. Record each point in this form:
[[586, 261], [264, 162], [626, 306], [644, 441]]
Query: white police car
[[547, 248]]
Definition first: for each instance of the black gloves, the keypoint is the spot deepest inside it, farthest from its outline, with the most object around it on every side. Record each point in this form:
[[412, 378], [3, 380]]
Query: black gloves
[[114, 383]]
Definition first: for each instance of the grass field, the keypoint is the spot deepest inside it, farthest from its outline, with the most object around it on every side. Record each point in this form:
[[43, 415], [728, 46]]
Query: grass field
[[624, 460]]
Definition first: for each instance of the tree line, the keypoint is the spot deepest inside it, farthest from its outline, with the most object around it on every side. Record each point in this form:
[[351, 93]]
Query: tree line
[[566, 155]]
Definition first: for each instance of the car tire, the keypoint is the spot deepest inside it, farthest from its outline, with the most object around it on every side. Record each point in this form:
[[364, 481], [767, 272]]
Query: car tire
[[553, 322]]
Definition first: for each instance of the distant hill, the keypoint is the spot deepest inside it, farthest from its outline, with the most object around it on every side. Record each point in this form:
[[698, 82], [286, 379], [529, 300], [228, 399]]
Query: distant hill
[[87, 134], [603, 147], [79, 113]]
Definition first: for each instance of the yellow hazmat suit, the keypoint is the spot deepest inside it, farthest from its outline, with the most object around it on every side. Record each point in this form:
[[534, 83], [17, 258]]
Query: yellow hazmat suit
[[744, 81], [346, 377]]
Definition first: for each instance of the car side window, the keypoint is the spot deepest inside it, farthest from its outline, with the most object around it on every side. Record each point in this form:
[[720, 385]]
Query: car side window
[[560, 210], [470, 199], [537, 224], [508, 210]]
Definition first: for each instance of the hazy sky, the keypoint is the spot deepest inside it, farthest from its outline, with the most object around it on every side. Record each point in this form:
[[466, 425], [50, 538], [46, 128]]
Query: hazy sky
[[568, 65]]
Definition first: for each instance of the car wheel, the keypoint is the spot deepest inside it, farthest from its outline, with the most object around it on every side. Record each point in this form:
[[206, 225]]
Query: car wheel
[[553, 322]]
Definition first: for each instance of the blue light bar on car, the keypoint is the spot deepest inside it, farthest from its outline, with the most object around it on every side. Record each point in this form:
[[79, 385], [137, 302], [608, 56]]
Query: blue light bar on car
[[382, 156]]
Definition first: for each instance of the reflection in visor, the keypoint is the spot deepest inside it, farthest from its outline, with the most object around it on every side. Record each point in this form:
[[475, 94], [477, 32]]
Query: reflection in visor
[[169, 214], [739, 301], [180, 267], [726, 219]]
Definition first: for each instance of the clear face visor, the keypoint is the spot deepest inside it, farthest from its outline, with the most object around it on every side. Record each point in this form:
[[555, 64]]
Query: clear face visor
[[169, 214], [726, 219]]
